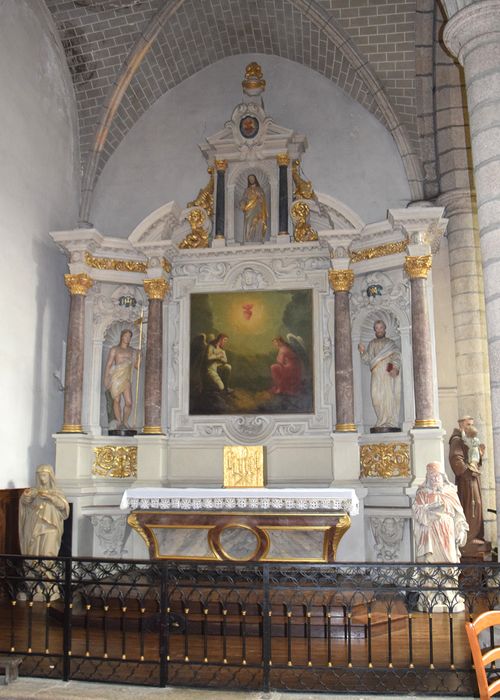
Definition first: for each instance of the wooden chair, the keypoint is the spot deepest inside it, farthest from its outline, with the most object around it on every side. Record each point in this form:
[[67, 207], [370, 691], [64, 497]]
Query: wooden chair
[[480, 660]]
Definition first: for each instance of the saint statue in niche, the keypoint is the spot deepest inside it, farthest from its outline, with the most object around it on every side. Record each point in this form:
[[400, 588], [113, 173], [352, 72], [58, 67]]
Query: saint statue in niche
[[254, 207], [122, 359], [384, 359]]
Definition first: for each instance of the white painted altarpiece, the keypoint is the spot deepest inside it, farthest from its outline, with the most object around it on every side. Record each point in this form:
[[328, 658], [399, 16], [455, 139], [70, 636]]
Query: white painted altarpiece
[[183, 246]]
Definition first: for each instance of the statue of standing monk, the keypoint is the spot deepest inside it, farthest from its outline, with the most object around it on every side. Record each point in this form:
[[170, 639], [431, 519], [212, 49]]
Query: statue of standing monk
[[466, 466]]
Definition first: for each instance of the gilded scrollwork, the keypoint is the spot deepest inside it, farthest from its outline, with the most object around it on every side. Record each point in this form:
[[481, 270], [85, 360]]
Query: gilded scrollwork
[[303, 231], [378, 251], [113, 264], [303, 188], [198, 238], [205, 197], [117, 462], [385, 460]]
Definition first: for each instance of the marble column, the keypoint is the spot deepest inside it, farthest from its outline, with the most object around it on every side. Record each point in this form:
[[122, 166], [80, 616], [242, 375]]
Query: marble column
[[155, 290], [417, 268], [283, 162], [78, 286], [220, 198], [472, 33], [341, 282]]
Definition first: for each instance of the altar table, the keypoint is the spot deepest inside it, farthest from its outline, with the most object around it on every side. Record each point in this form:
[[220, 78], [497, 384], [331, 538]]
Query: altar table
[[272, 525]]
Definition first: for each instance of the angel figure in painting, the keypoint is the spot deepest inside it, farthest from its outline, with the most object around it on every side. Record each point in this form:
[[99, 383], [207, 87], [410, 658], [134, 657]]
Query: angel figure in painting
[[254, 207], [288, 367]]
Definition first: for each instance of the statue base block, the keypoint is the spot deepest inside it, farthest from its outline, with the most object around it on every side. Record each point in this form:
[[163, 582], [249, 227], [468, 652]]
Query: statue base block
[[123, 432], [385, 430], [476, 551]]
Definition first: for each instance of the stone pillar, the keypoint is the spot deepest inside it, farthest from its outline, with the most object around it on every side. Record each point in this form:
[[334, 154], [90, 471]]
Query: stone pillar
[[341, 282], [156, 290], [220, 199], [469, 323], [283, 163], [472, 33], [417, 268], [78, 286]]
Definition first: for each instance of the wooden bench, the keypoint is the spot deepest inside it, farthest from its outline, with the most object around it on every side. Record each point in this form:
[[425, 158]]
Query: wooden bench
[[11, 666]]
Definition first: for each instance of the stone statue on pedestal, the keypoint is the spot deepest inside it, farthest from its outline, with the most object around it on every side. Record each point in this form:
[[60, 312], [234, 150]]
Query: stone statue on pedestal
[[439, 522], [254, 208], [118, 378], [384, 359], [466, 457], [42, 511]]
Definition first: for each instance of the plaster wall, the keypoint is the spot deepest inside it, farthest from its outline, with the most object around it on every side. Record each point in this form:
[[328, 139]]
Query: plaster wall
[[38, 192], [350, 156]]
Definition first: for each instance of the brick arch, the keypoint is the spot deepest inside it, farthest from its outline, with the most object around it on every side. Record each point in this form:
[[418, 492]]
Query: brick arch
[[188, 35]]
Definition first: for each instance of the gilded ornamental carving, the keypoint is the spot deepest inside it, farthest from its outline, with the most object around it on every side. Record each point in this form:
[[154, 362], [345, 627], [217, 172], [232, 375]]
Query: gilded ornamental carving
[[385, 460], [418, 266], [115, 462], [341, 280], [78, 284], [156, 288]]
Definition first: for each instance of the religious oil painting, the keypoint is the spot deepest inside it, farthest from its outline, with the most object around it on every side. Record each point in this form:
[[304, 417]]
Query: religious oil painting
[[251, 352]]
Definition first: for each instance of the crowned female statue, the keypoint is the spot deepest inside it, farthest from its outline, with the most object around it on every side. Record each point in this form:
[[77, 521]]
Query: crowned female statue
[[253, 205]]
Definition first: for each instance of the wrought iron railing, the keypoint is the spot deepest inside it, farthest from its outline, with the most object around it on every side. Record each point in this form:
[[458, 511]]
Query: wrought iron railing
[[367, 628]]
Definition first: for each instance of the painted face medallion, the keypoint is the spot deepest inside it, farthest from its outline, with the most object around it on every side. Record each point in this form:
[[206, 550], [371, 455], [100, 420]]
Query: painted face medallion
[[249, 127]]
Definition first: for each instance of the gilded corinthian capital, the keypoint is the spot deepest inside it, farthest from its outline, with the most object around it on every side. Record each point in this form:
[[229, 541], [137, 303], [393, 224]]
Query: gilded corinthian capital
[[78, 284], [156, 288], [418, 266], [341, 280]]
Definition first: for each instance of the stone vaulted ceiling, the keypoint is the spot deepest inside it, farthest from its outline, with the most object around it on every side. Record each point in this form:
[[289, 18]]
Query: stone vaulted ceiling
[[125, 54]]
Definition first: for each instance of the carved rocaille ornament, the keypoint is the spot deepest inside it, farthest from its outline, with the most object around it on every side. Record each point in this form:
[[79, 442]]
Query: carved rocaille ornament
[[418, 266], [303, 188], [378, 251], [112, 264], [156, 288], [205, 198], [198, 238], [115, 462], [78, 284], [167, 267], [303, 231], [385, 460], [341, 280]]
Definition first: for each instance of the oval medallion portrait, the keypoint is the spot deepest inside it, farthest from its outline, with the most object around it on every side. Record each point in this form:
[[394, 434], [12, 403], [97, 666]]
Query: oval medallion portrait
[[249, 127]]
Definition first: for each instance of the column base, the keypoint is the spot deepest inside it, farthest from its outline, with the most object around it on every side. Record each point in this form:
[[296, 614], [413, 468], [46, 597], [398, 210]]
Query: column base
[[426, 423], [346, 428], [70, 428], [152, 430]]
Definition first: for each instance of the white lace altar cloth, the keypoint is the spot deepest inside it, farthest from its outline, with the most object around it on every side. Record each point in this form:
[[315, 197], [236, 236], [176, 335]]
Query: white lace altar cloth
[[305, 500]]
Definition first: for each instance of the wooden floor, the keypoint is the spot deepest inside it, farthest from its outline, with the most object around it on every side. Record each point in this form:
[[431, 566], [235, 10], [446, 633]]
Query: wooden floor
[[404, 640]]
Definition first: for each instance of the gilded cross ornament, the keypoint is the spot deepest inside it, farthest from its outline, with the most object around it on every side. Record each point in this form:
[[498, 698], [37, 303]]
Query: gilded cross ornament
[[418, 266], [341, 280], [156, 288], [78, 284], [283, 159], [221, 165]]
